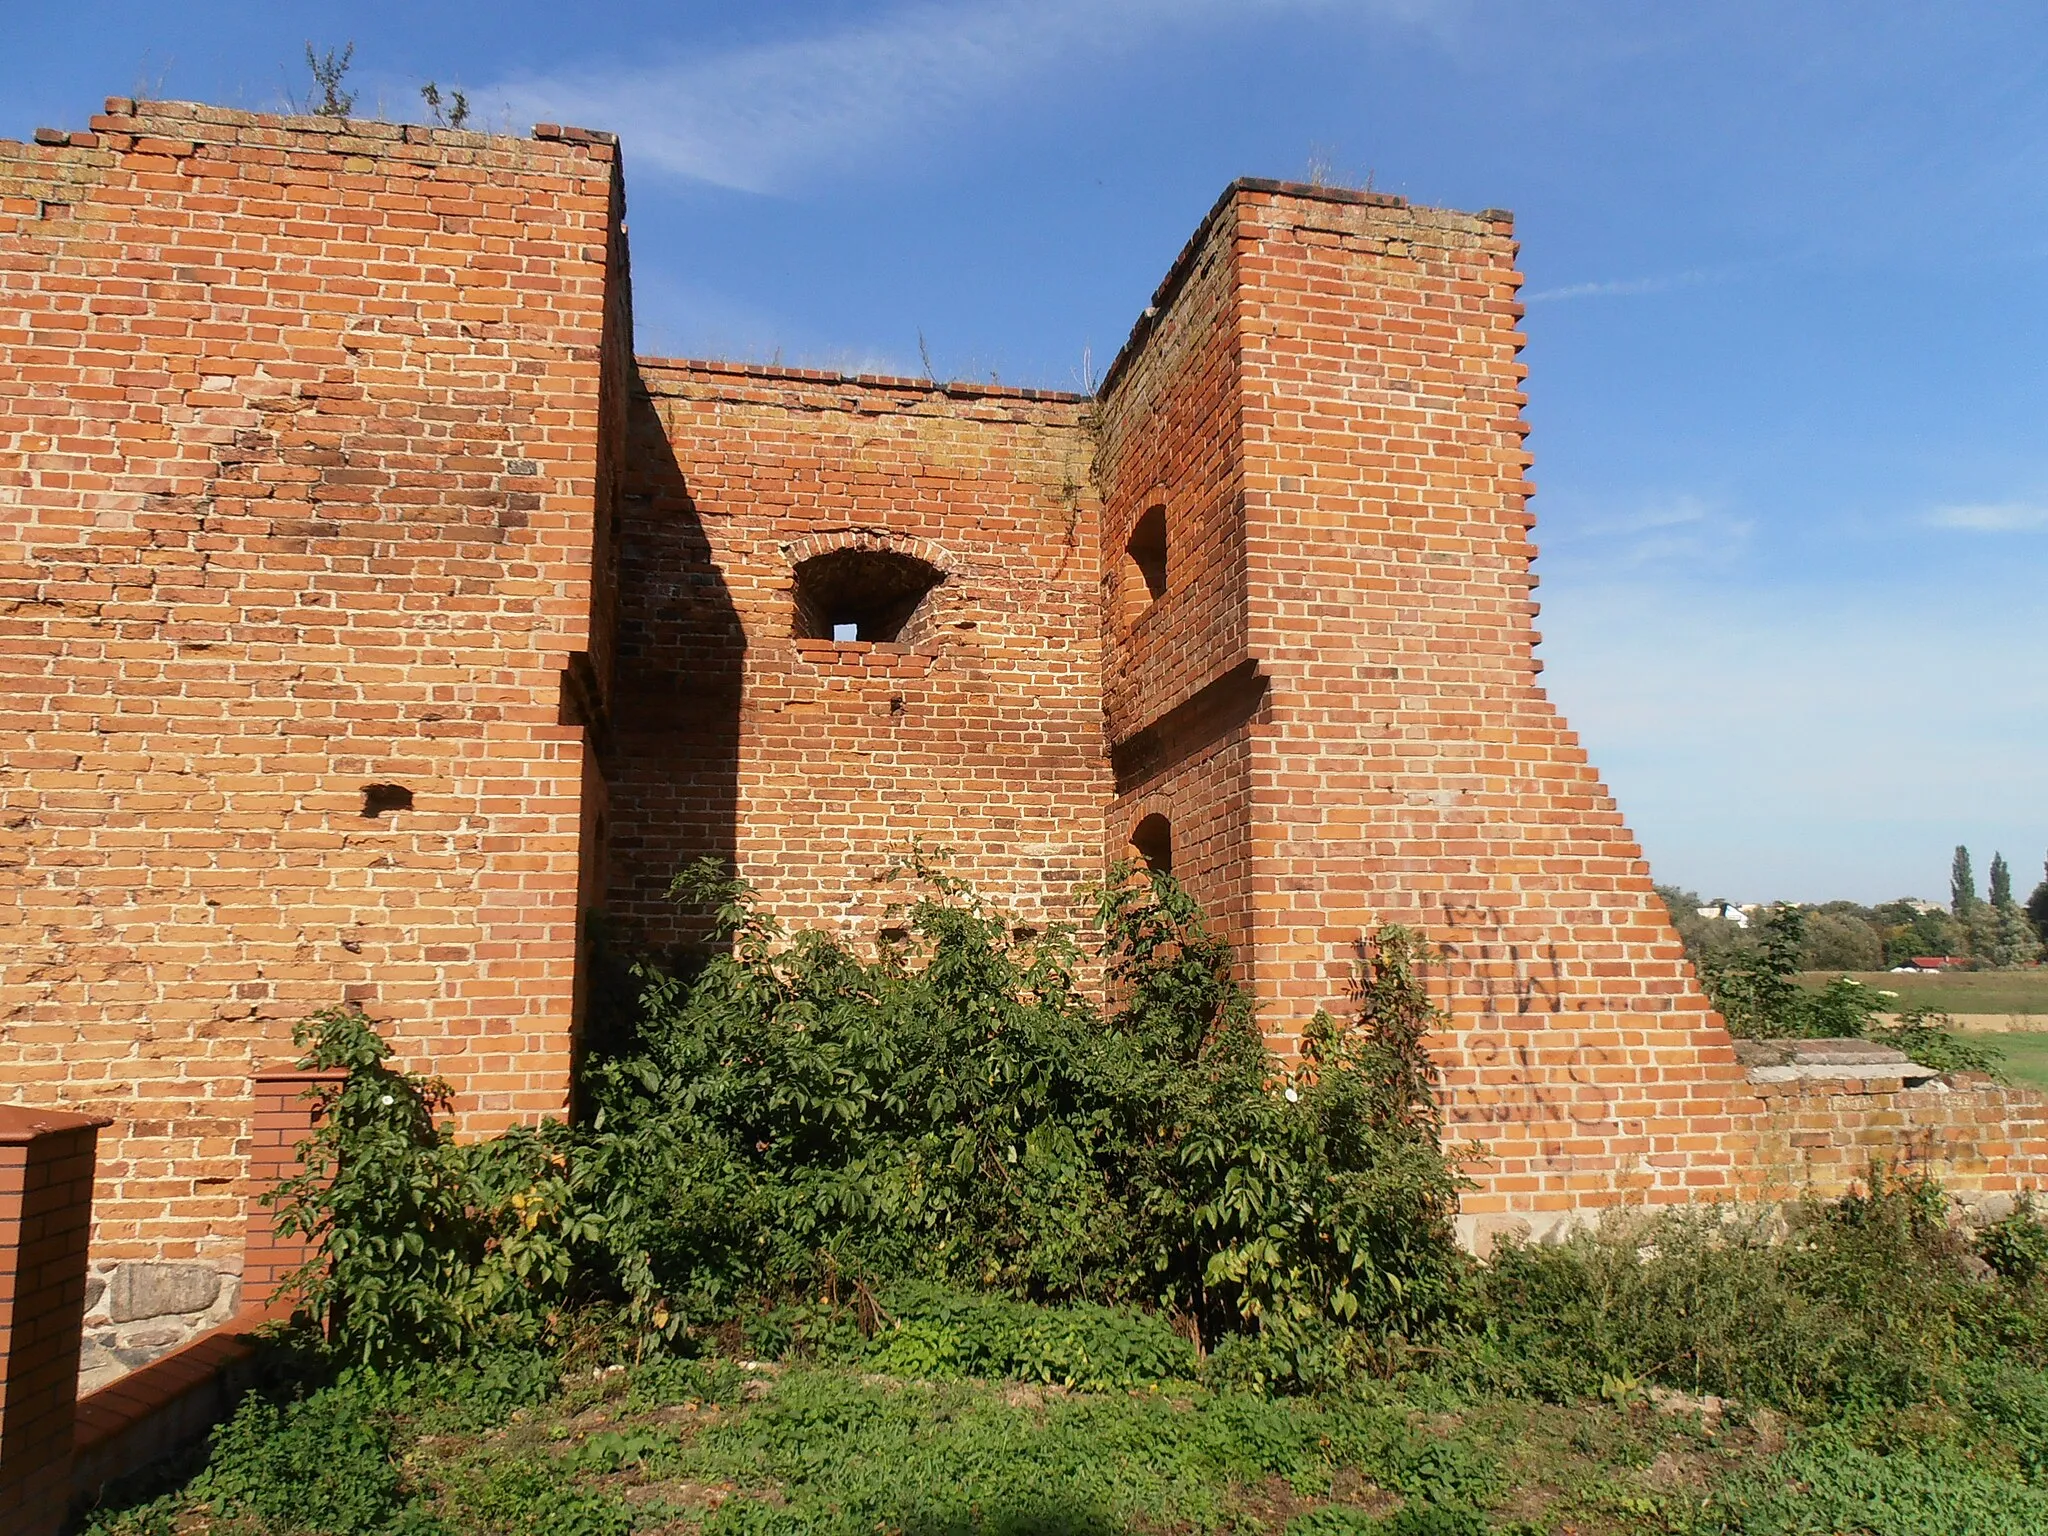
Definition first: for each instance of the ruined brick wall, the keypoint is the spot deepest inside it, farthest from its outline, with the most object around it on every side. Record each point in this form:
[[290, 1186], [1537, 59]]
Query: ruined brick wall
[[367, 613], [1979, 1139], [1179, 686], [300, 422], [1404, 764], [812, 764]]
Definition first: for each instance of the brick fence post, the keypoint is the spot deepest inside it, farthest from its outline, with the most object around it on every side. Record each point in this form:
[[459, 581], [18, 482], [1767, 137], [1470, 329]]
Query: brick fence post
[[286, 1112], [46, 1176]]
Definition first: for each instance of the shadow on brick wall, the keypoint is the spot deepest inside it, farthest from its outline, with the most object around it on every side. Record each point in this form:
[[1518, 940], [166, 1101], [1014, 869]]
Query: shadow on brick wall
[[681, 649]]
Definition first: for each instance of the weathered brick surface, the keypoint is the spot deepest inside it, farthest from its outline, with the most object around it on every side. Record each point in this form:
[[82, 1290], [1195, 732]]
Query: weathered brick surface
[[1975, 1136], [1360, 426], [1180, 686], [813, 764], [302, 424]]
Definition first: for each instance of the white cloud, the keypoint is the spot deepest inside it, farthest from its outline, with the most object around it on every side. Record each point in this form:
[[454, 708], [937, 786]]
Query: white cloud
[[1632, 287], [763, 117], [1993, 517], [1681, 528]]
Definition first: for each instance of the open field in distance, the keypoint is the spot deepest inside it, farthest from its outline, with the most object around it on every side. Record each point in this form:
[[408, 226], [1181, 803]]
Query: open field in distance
[[1958, 992], [2025, 1052]]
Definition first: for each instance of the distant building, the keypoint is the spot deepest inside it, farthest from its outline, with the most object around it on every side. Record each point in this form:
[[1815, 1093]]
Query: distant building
[[1933, 963], [1728, 911]]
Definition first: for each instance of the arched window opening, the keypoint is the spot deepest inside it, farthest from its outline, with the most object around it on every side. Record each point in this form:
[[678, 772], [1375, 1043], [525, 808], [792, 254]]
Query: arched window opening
[[1147, 552], [863, 594], [1152, 844]]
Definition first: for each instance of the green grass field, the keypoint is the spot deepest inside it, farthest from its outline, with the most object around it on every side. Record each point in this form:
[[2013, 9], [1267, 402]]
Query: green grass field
[[2025, 1052], [1958, 991]]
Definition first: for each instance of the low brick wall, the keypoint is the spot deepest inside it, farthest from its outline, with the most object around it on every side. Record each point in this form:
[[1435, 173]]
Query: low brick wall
[[1981, 1139], [46, 1179]]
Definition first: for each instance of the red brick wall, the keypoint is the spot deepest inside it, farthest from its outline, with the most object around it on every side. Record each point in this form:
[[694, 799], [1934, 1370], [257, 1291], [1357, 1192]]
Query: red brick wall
[[46, 1180], [1402, 763], [303, 425], [813, 765], [1179, 686], [328, 466], [287, 1109], [1976, 1137]]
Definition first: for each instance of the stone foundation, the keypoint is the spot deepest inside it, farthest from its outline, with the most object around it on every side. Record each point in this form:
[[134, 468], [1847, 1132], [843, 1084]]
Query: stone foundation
[[137, 1310]]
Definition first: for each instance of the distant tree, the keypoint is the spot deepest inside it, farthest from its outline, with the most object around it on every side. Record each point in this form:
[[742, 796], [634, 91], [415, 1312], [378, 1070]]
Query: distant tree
[[2037, 906], [1757, 992], [1703, 937], [1962, 884], [2001, 881], [2004, 936], [1923, 933], [2012, 941], [1841, 941]]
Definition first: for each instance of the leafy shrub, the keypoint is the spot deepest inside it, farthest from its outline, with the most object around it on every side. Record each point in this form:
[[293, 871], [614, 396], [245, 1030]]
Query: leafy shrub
[[421, 1244], [1863, 1304], [2017, 1246], [956, 1110], [1756, 990], [1929, 1039], [933, 1331]]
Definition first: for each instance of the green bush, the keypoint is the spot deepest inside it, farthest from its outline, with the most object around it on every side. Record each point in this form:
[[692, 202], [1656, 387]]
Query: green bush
[[421, 1245], [955, 1110], [1936, 1045], [1864, 1303], [2017, 1246]]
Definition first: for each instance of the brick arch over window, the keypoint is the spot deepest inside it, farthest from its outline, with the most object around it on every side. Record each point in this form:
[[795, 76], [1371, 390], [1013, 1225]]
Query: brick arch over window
[[830, 578]]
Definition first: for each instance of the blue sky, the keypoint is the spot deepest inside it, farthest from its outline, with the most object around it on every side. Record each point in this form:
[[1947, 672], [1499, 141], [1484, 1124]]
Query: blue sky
[[1787, 323]]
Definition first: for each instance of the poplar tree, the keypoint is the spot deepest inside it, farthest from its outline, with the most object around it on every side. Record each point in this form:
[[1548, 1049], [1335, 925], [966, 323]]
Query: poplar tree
[[2001, 881], [1962, 884]]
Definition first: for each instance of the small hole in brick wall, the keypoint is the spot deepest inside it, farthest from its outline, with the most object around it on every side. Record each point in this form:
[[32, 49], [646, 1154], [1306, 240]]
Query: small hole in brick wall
[[864, 594], [379, 799], [1147, 550], [1152, 844]]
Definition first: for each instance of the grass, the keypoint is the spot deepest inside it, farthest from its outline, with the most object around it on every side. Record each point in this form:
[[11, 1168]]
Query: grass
[[720, 1447], [1957, 992], [2025, 1052], [675, 1447]]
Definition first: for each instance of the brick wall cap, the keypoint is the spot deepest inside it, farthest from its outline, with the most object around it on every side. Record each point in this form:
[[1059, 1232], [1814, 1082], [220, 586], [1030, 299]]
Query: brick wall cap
[[25, 1122], [204, 124], [958, 389], [1177, 274]]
